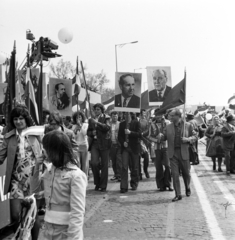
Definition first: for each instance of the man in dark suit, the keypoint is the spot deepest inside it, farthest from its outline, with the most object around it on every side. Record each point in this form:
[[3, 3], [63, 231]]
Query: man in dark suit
[[161, 89], [129, 137], [127, 98], [99, 133], [178, 135], [228, 134]]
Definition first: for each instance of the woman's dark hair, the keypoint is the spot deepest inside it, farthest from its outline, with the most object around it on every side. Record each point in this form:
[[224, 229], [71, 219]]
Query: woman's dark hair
[[20, 110], [45, 113], [76, 114], [56, 116], [59, 149], [99, 105]]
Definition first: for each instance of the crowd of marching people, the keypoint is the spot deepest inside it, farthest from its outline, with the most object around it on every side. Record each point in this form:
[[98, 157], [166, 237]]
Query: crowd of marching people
[[55, 165]]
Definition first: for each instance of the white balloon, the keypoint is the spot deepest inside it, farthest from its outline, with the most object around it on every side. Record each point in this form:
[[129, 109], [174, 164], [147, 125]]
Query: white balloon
[[2, 58], [208, 116], [65, 35]]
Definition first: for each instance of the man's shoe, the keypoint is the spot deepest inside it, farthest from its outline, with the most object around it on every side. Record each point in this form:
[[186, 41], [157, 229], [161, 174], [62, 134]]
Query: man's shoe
[[113, 178], [147, 174], [228, 173], [170, 189], [162, 189], [188, 192], [133, 188], [220, 170], [97, 188], [119, 179], [103, 189], [177, 198], [140, 177], [232, 172], [123, 190]]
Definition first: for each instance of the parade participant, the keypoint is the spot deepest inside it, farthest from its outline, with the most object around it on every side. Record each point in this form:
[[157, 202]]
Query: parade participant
[[67, 122], [178, 135], [45, 116], [162, 162], [80, 134], [115, 151], [214, 144], [193, 148], [21, 153], [64, 187], [99, 132], [129, 135], [144, 125], [228, 134]]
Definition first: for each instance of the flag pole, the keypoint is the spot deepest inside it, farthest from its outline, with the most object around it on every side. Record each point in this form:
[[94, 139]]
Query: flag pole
[[185, 104], [84, 78], [77, 74], [27, 85]]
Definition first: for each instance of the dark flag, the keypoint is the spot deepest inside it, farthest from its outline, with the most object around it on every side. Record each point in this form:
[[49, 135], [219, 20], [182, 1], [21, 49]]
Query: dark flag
[[231, 102], [39, 98], [84, 106], [10, 94], [30, 97], [175, 97]]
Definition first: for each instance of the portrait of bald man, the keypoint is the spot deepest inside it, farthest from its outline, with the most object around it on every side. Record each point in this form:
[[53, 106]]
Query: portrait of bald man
[[161, 89]]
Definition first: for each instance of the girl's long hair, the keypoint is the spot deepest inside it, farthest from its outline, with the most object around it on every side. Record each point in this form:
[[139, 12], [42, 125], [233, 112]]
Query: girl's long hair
[[59, 149]]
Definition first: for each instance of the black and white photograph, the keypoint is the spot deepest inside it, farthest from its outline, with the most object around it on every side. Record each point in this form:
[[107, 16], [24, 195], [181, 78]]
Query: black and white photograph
[[60, 96], [127, 92], [159, 84]]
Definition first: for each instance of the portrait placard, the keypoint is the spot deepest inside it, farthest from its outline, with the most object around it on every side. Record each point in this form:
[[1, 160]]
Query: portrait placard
[[127, 92], [60, 96], [159, 84], [3, 90]]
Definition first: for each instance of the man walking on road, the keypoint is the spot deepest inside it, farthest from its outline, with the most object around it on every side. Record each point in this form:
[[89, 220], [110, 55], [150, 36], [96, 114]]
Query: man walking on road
[[129, 138], [179, 134]]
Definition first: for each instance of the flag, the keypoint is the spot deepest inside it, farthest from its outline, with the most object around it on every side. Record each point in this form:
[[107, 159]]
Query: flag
[[10, 93], [39, 98], [175, 97], [30, 98], [84, 106], [109, 104], [231, 102], [76, 86]]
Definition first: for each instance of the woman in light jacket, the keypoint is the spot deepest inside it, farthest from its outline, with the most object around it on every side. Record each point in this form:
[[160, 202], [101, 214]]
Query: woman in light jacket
[[64, 187], [21, 153], [80, 132]]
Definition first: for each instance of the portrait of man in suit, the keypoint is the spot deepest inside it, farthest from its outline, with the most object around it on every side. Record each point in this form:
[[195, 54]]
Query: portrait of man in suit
[[127, 98], [161, 89]]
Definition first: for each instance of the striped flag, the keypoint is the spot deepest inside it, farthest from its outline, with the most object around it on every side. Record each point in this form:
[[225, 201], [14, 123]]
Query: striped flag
[[231, 102], [30, 98], [84, 106]]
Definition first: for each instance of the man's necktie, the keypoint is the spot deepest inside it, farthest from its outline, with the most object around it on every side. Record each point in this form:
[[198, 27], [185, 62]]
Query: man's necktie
[[160, 95], [124, 102]]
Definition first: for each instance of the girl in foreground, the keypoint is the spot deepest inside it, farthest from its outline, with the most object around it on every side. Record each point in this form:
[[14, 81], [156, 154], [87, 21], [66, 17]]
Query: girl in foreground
[[64, 188]]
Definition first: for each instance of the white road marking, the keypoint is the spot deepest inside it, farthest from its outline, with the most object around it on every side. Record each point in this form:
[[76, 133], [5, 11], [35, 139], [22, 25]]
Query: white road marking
[[226, 193], [213, 225], [170, 229]]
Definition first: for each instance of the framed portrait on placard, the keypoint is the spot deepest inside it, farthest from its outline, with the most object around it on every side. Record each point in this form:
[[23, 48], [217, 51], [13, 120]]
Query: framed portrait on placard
[[159, 84], [3, 91], [60, 96], [127, 92]]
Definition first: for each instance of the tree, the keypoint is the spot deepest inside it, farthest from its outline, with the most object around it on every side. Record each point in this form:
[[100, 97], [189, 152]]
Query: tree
[[63, 70], [97, 81], [107, 94]]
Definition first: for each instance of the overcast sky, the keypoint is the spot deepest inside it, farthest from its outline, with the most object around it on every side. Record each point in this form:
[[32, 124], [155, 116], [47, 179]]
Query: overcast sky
[[196, 35]]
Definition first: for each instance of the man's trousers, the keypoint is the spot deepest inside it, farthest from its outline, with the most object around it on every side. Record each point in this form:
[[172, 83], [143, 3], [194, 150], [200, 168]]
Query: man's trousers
[[99, 160], [177, 163], [133, 158]]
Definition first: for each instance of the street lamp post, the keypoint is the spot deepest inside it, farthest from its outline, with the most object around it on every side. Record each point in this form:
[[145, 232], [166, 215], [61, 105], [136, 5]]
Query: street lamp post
[[121, 45]]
